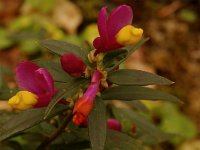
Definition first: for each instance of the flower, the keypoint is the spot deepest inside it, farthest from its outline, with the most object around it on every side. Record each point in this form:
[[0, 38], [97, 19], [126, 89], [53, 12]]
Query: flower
[[72, 65], [37, 87], [116, 30], [114, 124], [84, 105]]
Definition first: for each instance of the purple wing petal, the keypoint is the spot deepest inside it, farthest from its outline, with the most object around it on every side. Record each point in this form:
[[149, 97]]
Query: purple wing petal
[[120, 17], [43, 100], [98, 43], [45, 80], [25, 77], [102, 25]]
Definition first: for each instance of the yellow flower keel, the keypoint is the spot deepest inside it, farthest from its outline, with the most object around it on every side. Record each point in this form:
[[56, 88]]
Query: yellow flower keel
[[23, 100], [129, 35]]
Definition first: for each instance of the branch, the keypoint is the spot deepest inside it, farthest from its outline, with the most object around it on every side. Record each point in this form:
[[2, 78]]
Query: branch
[[50, 139]]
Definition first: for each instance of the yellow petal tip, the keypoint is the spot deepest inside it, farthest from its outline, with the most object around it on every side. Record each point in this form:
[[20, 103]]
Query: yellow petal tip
[[23, 100], [129, 35]]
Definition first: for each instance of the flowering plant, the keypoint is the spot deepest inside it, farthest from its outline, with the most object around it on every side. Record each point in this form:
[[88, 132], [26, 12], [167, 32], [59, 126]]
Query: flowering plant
[[69, 99]]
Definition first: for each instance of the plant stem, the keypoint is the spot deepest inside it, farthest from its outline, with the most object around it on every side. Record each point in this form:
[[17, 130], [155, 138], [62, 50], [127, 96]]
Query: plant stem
[[54, 135]]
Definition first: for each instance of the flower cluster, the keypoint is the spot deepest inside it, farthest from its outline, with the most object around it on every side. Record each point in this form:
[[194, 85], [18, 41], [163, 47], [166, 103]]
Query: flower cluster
[[37, 84]]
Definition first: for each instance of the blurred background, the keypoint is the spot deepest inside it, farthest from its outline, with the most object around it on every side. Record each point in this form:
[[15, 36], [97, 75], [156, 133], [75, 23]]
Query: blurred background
[[173, 50]]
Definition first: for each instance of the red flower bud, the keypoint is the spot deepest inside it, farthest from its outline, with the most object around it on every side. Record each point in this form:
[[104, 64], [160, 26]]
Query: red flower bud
[[84, 105], [72, 65]]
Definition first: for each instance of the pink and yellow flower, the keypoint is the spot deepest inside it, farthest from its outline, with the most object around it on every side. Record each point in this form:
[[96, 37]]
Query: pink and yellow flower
[[37, 87], [116, 30], [84, 105]]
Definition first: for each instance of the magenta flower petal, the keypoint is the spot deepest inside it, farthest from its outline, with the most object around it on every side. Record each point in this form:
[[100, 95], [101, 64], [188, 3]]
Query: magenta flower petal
[[45, 80], [98, 44], [25, 77], [120, 17], [102, 25], [43, 99], [72, 65]]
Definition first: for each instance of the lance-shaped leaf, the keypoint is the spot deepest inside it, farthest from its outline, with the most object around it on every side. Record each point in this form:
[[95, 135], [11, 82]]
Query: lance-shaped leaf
[[147, 131], [115, 58], [54, 67], [114, 140], [6, 93], [75, 145], [136, 93], [136, 77], [134, 47], [112, 58], [60, 48], [97, 125], [5, 115], [68, 92], [137, 104], [118, 141], [25, 120]]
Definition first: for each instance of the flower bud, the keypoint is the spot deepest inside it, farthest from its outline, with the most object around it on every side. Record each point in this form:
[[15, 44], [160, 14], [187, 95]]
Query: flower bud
[[72, 65], [114, 124], [84, 104]]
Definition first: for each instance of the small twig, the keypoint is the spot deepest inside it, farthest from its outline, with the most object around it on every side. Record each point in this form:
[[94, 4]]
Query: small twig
[[50, 139]]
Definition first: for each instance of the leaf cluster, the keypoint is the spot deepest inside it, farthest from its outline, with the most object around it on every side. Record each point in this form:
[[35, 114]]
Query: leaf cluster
[[127, 85]]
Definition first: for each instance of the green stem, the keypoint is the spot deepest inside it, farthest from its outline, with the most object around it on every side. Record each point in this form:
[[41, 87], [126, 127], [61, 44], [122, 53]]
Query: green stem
[[54, 135]]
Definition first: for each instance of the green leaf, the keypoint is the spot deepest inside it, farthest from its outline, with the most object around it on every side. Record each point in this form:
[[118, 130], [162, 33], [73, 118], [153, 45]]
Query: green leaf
[[134, 47], [97, 125], [136, 93], [151, 134], [120, 141], [6, 93], [1, 77], [138, 105], [136, 77], [65, 93], [25, 120], [54, 67], [5, 115], [114, 140], [60, 48], [4, 71], [112, 58], [115, 58], [79, 145]]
